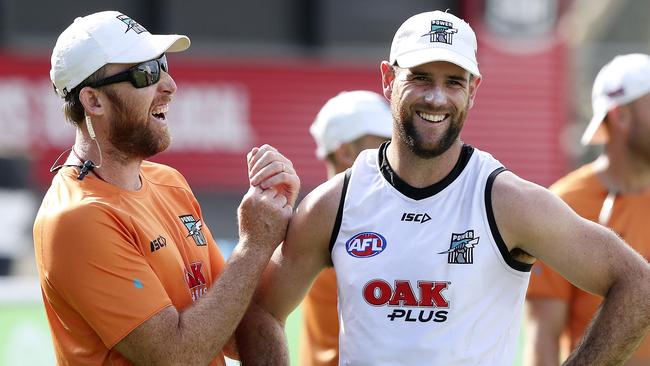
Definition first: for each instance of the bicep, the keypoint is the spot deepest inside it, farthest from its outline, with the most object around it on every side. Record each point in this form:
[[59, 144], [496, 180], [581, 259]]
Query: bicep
[[303, 254], [136, 346], [546, 318], [538, 222], [545, 322]]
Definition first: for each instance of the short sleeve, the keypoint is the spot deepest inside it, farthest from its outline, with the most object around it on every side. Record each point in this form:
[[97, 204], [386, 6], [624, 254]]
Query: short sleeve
[[97, 268], [545, 282]]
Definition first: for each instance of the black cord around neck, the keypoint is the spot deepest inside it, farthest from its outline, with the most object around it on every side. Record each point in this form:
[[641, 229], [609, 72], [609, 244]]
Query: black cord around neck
[[86, 166]]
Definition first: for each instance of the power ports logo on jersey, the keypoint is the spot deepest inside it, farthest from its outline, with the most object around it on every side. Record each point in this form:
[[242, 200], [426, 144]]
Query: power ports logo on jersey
[[365, 245], [415, 217]]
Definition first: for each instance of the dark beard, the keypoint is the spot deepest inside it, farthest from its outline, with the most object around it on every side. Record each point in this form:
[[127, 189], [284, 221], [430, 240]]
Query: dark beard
[[131, 134], [413, 141]]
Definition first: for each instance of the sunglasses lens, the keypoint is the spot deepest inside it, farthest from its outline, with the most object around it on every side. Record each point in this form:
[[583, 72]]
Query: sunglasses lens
[[163, 63], [145, 74]]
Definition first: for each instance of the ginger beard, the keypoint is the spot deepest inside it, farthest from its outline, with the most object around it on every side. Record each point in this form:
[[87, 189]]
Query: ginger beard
[[416, 142], [132, 133]]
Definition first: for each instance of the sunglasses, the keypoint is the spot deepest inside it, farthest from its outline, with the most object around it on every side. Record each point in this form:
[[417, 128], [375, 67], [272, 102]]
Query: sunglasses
[[141, 75]]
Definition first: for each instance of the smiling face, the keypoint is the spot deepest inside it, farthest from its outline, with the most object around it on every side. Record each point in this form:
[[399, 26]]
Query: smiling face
[[137, 117], [429, 104]]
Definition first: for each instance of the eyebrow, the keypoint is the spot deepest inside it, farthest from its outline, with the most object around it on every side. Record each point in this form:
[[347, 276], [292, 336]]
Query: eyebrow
[[454, 77], [457, 78]]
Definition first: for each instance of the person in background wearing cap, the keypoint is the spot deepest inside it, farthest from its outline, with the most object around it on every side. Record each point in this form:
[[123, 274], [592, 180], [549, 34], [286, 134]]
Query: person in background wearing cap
[[346, 125], [130, 273], [614, 191], [433, 240]]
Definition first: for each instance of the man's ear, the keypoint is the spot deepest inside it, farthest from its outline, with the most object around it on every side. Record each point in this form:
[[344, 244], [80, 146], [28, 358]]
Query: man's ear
[[345, 154], [92, 100], [387, 78], [474, 83], [619, 121]]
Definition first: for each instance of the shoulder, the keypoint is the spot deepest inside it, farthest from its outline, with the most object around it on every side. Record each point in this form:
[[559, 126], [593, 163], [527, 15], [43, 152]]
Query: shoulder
[[324, 200], [75, 223], [78, 235], [161, 174], [313, 223], [523, 209], [508, 188]]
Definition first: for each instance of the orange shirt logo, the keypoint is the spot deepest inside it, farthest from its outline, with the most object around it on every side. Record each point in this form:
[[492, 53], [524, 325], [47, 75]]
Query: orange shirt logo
[[194, 229], [196, 280]]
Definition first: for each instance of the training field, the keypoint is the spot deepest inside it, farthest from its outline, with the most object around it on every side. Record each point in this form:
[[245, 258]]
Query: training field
[[25, 337]]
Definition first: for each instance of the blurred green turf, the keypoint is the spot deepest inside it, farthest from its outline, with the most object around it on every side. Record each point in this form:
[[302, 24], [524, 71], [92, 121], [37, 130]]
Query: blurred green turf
[[25, 336], [293, 334]]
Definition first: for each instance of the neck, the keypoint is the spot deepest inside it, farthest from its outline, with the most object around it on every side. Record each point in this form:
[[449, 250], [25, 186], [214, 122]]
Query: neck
[[420, 172], [332, 170], [116, 168], [623, 172]]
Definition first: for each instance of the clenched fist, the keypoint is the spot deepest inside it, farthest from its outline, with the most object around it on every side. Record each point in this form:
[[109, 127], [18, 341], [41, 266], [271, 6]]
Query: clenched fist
[[263, 218]]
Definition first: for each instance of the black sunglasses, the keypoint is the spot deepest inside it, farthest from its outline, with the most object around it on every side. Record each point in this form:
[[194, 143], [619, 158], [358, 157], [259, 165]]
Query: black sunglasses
[[141, 75]]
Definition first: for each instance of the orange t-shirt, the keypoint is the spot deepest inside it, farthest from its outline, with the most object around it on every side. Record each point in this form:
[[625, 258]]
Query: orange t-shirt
[[319, 342], [109, 259], [584, 192]]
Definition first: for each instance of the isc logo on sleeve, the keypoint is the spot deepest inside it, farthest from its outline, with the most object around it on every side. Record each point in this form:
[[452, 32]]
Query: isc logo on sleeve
[[364, 245]]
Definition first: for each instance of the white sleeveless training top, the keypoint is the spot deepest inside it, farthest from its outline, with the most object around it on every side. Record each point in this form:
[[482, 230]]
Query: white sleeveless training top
[[423, 275]]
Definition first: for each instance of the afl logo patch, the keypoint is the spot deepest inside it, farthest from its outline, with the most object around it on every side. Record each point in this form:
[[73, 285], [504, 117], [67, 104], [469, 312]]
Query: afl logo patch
[[364, 245]]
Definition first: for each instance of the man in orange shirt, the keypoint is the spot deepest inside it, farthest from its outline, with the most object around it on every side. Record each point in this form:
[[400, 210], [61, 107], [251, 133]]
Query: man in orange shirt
[[614, 191], [130, 273], [346, 125]]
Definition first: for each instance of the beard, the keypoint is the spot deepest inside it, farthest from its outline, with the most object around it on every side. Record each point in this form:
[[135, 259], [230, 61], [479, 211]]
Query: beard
[[639, 137], [131, 132], [415, 141]]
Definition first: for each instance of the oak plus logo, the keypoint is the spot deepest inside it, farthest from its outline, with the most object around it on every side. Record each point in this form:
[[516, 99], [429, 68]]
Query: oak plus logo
[[410, 302]]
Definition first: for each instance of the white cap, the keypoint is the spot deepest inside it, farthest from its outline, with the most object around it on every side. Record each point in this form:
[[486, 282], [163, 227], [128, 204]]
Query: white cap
[[348, 116], [102, 38], [435, 36], [623, 80]]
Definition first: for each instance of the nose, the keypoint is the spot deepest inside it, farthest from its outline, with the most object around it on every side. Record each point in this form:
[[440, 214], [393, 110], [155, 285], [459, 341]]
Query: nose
[[166, 84], [434, 95]]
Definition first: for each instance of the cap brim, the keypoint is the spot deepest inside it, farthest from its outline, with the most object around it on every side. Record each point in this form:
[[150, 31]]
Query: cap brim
[[595, 132], [423, 56], [152, 47]]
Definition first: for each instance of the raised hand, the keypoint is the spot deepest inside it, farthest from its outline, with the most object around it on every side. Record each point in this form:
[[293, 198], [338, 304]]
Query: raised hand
[[263, 217], [268, 168]]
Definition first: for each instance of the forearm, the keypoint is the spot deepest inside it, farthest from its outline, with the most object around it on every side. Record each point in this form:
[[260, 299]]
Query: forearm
[[541, 350], [214, 317], [617, 329], [261, 339], [195, 335], [546, 319]]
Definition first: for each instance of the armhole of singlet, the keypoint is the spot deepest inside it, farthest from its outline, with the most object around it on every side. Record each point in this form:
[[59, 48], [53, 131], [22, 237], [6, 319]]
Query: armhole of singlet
[[503, 248], [339, 213]]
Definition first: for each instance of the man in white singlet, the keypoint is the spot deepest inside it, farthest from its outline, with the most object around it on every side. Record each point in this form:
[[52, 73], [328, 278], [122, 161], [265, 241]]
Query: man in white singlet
[[432, 240]]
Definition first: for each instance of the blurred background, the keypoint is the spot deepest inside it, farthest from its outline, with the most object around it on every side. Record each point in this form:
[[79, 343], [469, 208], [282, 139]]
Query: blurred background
[[258, 72]]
